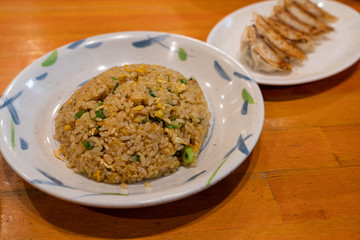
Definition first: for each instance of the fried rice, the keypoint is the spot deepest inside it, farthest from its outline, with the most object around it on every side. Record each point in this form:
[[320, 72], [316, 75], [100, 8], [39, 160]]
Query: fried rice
[[132, 123]]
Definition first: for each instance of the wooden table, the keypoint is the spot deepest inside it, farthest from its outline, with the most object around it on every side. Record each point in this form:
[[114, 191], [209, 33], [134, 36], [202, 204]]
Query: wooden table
[[302, 180]]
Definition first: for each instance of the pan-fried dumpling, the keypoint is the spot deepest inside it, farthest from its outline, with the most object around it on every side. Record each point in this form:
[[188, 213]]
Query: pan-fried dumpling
[[295, 37], [305, 17], [316, 11], [278, 42], [288, 19], [258, 54]]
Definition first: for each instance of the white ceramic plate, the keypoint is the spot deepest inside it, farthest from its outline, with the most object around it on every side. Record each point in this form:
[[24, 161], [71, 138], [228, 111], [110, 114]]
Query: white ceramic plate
[[28, 106], [337, 52]]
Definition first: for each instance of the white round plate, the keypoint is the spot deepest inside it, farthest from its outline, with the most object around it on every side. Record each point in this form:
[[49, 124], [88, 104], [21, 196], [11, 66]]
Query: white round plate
[[339, 50], [28, 106]]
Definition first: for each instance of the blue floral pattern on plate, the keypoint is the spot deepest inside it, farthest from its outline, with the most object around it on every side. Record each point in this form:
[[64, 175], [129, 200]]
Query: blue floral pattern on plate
[[241, 146], [182, 54]]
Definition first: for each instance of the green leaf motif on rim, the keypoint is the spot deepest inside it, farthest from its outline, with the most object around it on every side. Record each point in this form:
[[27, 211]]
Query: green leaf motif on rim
[[182, 54], [51, 59], [247, 97]]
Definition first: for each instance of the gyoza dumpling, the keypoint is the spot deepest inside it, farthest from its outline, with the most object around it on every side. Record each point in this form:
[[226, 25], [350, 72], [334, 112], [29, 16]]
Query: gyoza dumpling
[[305, 17], [288, 19], [258, 54], [314, 10], [277, 41], [297, 38]]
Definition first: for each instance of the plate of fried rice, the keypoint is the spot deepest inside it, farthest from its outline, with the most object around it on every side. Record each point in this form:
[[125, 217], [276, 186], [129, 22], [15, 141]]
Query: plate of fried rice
[[130, 119]]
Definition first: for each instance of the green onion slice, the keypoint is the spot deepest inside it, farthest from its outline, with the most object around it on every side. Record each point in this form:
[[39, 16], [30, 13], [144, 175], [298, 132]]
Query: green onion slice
[[155, 119], [87, 145], [100, 113], [135, 158], [145, 120], [79, 114], [169, 125], [116, 86], [187, 155], [183, 80], [151, 92]]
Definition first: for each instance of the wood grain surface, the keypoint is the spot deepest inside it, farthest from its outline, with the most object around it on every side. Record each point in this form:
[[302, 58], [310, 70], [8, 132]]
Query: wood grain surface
[[302, 180]]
